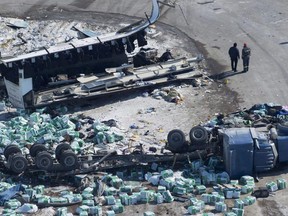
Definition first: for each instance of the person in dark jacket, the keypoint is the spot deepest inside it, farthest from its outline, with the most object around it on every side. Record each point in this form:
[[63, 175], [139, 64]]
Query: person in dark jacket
[[234, 56], [246, 53]]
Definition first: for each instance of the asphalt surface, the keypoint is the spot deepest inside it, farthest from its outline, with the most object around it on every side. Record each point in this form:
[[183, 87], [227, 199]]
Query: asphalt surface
[[261, 24], [214, 27]]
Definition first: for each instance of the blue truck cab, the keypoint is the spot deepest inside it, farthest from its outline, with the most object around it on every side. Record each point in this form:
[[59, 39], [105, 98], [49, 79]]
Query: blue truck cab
[[247, 151]]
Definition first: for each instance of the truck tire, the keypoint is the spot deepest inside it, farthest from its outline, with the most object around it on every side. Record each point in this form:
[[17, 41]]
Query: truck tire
[[43, 160], [60, 148], [11, 149], [18, 163], [176, 140], [36, 148], [198, 135], [69, 159]]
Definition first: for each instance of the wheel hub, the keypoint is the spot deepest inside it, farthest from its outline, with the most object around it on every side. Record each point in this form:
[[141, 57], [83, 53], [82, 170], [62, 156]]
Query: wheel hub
[[69, 161], [19, 164]]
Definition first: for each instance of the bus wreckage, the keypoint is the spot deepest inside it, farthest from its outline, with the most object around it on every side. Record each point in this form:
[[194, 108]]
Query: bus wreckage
[[86, 68]]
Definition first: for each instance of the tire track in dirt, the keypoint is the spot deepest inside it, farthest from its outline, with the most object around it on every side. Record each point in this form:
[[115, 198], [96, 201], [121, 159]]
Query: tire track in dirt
[[36, 6], [82, 3], [268, 208], [226, 99], [283, 70], [223, 98]]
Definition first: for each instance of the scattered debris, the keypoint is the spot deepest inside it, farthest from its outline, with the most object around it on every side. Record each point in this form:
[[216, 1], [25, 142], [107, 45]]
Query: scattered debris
[[202, 2], [84, 33], [168, 94], [17, 23], [111, 192]]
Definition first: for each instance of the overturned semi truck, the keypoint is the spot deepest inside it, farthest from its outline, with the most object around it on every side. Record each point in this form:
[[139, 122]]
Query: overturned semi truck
[[245, 151], [28, 75]]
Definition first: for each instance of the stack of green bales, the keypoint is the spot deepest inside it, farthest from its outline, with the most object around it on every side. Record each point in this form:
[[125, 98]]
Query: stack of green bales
[[42, 128]]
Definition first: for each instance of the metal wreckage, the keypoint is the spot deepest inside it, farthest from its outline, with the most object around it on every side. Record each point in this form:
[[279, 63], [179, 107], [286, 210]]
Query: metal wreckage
[[244, 143], [98, 65], [236, 146], [24, 77], [249, 142], [94, 66]]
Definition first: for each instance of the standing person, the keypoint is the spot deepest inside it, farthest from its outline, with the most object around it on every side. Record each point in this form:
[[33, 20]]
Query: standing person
[[246, 52], [234, 56]]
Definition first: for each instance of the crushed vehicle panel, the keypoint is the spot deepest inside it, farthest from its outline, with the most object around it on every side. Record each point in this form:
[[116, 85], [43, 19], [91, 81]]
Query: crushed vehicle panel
[[26, 74]]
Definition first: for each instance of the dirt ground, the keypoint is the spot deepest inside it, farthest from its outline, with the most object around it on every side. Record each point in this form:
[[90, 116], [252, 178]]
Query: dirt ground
[[200, 103]]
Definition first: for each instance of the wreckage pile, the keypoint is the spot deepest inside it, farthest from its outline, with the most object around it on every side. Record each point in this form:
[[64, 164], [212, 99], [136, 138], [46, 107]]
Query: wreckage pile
[[40, 127], [199, 183], [18, 36], [260, 115], [111, 194]]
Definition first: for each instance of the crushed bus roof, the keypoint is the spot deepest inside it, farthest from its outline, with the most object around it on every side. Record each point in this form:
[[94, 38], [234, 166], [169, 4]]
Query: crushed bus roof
[[130, 30]]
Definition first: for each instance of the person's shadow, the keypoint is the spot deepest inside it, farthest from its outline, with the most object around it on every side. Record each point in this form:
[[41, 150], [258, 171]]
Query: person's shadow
[[225, 74]]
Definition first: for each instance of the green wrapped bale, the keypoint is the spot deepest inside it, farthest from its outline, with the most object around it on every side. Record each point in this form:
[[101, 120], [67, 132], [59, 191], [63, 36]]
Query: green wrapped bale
[[12, 204], [193, 210], [118, 208], [200, 189], [249, 200], [272, 186], [62, 211], [244, 180], [245, 189], [110, 213], [167, 196], [238, 212], [95, 210], [167, 173], [282, 184], [220, 207], [110, 200], [238, 203]]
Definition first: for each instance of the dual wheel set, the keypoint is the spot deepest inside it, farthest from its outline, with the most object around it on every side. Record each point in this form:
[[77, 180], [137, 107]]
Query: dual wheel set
[[17, 162], [177, 140]]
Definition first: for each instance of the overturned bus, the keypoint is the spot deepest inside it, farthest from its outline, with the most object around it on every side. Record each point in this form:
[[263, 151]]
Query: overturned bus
[[31, 74]]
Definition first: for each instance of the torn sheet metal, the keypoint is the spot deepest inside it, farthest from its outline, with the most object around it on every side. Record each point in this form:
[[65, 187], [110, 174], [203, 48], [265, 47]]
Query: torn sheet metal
[[17, 23], [84, 33]]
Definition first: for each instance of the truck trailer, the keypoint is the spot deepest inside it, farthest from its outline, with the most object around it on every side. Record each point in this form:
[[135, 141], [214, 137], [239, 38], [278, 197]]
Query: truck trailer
[[244, 151]]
